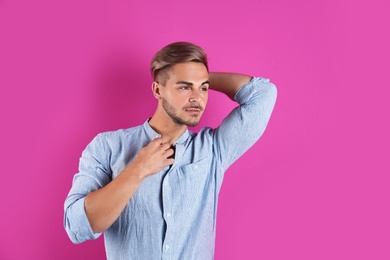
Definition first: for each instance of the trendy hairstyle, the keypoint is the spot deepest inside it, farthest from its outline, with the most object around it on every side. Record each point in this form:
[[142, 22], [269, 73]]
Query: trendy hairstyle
[[174, 53]]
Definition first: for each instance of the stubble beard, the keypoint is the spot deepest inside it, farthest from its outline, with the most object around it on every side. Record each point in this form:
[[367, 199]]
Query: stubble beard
[[171, 111]]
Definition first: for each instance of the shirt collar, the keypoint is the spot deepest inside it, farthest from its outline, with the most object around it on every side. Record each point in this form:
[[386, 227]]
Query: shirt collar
[[153, 134]]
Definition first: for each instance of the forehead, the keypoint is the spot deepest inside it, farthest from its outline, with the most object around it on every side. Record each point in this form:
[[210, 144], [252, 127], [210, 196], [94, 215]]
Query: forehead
[[189, 71]]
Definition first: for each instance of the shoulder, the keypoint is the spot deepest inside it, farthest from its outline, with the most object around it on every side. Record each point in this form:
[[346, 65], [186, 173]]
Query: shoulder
[[114, 139], [120, 133]]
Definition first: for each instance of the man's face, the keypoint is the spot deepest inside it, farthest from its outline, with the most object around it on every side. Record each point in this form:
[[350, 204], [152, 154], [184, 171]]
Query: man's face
[[184, 96]]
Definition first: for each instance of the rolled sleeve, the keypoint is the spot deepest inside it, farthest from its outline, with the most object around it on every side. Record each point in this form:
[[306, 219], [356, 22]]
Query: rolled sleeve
[[93, 174], [76, 223]]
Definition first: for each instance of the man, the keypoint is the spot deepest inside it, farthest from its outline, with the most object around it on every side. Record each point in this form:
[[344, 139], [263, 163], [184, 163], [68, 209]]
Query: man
[[153, 189]]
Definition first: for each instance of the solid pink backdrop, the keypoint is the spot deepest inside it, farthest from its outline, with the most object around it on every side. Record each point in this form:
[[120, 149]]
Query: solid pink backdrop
[[316, 186]]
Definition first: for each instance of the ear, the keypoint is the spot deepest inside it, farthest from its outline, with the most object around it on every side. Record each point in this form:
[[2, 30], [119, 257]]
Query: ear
[[156, 90]]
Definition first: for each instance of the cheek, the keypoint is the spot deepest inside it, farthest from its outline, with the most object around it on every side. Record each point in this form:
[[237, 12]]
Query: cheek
[[205, 99], [179, 102]]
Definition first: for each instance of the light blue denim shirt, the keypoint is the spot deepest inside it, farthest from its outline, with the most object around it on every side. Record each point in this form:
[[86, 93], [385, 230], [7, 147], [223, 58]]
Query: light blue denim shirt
[[172, 215]]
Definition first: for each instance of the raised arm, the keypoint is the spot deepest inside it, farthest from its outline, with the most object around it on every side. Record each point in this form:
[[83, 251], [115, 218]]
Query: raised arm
[[228, 83], [246, 123]]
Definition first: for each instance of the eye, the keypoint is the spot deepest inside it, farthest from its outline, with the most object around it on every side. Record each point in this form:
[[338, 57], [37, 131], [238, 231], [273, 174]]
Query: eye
[[184, 87], [204, 89]]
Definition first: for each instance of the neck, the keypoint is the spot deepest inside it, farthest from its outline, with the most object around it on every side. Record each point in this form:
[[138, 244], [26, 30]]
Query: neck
[[163, 125]]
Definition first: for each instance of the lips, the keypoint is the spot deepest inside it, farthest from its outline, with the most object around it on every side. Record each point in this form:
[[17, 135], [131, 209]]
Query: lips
[[193, 108], [193, 111]]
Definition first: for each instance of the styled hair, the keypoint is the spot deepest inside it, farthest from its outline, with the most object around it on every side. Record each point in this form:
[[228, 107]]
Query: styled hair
[[174, 53]]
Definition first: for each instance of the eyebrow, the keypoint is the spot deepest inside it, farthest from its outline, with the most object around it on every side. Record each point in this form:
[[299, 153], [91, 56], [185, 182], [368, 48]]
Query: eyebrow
[[190, 83]]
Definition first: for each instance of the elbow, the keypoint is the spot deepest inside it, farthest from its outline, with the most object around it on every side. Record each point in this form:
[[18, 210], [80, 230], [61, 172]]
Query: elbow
[[77, 227], [272, 92], [262, 111], [79, 235], [74, 239], [72, 234]]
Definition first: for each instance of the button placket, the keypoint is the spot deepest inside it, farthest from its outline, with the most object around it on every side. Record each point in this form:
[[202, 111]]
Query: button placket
[[167, 209]]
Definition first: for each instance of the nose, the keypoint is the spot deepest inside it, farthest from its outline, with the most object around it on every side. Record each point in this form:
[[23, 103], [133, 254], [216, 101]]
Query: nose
[[195, 96]]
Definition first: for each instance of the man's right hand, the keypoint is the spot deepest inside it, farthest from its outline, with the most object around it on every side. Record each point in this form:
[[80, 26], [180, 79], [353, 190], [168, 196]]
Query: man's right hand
[[103, 206], [152, 158]]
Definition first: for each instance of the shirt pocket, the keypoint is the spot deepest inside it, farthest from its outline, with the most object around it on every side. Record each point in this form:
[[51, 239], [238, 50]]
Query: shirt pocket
[[194, 185]]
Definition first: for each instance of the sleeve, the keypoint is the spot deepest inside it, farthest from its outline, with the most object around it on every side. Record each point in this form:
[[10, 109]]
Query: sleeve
[[94, 173], [246, 123]]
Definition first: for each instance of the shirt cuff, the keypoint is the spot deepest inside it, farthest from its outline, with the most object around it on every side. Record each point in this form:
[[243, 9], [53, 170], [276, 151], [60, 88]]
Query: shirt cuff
[[79, 229]]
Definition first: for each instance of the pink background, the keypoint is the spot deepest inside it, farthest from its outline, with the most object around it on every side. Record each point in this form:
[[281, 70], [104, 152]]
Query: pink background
[[316, 186]]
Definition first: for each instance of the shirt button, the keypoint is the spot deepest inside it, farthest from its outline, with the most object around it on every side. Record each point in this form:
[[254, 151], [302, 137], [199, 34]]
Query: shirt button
[[168, 214], [166, 247], [196, 167]]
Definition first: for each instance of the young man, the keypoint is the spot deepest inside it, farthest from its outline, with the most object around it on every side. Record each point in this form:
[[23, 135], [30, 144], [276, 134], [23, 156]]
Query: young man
[[153, 189]]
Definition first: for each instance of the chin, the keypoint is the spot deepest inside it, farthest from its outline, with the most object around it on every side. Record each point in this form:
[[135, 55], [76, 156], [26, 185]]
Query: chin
[[193, 123]]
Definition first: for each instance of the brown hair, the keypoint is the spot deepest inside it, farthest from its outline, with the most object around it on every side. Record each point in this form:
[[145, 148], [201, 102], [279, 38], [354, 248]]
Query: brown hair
[[177, 52]]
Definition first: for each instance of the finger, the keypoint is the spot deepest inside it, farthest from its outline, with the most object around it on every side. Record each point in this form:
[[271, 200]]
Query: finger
[[165, 146], [156, 141], [170, 161], [169, 153]]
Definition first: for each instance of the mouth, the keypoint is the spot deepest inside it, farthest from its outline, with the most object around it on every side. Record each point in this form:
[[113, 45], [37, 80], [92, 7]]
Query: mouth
[[194, 109]]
